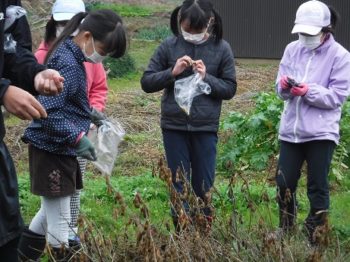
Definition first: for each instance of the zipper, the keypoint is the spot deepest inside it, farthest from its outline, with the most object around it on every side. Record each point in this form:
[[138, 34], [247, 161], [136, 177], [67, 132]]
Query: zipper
[[299, 98]]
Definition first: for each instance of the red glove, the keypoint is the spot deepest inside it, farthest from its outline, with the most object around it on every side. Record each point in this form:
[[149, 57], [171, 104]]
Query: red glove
[[299, 90], [284, 82]]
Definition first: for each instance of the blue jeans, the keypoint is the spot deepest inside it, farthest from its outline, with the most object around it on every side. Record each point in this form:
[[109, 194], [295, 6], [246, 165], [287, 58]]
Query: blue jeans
[[195, 154]]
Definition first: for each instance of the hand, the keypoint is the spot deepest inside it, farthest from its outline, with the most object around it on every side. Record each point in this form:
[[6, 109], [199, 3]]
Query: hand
[[48, 82], [22, 104], [299, 90], [199, 66], [85, 149], [97, 117], [181, 64], [284, 82]]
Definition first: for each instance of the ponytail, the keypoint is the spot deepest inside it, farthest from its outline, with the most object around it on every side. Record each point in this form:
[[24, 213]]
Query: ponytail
[[50, 31], [198, 13], [335, 17], [104, 25], [217, 26], [174, 21], [69, 29]]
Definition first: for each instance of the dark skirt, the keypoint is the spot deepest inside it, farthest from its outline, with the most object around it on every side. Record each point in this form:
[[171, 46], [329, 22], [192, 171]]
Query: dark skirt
[[53, 175]]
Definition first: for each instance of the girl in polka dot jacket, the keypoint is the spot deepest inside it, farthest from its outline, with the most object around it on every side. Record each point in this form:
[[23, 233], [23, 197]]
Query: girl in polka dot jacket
[[55, 142], [62, 12]]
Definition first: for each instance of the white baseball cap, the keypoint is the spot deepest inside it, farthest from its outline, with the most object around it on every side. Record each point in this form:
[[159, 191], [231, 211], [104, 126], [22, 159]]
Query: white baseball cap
[[311, 17], [63, 10]]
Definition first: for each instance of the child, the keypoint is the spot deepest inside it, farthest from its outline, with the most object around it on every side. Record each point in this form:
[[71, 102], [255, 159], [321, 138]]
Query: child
[[62, 12], [313, 79], [56, 141], [197, 45]]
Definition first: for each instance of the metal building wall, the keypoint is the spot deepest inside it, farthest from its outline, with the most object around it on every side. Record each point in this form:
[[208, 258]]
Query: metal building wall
[[261, 28]]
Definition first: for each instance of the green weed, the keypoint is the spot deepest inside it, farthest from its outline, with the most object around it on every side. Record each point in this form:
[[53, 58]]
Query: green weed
[[11, 121], [158, 33], [100, 206], [120, 67], [251, 139], [29, 203], [142, 51], [126, 10], [126, 83]]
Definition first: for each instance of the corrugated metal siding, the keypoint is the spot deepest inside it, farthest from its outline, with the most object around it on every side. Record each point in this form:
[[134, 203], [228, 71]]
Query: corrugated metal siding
[[261, 28]]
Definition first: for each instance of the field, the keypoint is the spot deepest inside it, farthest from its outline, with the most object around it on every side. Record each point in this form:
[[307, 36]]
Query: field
[[126, 217]]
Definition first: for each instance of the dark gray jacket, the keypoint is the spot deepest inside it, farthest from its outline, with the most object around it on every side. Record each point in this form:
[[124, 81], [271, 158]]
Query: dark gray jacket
[[17, 69], [205, 110]]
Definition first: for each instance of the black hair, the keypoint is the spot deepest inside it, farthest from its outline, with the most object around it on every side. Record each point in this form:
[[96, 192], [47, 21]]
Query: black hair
[[104, 25], [50, 31], [335, 17], [198, 13]]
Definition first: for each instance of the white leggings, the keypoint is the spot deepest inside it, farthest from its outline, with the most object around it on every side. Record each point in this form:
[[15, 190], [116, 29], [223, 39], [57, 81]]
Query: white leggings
[[53, 220]]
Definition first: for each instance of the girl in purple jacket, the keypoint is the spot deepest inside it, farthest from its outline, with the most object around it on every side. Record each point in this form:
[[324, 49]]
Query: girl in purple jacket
[[313, 80]]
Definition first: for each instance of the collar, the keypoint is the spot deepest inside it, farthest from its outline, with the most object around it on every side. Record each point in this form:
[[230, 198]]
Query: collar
[[78, 54], [327, 43]]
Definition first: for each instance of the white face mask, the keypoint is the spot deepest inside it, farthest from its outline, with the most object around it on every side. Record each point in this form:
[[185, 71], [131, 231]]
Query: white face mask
[[310, 42], [193, 38], [59, 30], [95, 57]]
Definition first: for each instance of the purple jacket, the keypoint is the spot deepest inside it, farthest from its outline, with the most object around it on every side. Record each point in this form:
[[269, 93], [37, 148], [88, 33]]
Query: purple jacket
[[316, 115]]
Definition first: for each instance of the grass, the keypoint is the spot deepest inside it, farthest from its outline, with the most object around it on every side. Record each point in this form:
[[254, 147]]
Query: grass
[[124, 84], [158, 32], [12, 121], [340, 213], [99, 205], [126, 10], [30, 203], [141, 51]]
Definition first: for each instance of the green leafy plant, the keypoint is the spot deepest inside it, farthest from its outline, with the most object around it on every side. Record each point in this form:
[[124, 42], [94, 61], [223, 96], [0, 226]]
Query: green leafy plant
[[159, 32], [252, 137], [341, 159], [124, 10], [119, 67]]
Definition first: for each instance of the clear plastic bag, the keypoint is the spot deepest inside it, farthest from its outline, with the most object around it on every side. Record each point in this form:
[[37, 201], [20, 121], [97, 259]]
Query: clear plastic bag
[[188, 88], [9, 44], [106, 139], [13, 12]]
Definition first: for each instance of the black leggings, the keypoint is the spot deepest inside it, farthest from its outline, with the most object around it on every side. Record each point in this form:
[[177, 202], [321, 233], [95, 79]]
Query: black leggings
[[8, 252], [318, 156]]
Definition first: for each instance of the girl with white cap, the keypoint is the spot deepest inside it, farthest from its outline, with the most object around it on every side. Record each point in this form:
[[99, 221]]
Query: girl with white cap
[[313, 80], [62, 12]]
